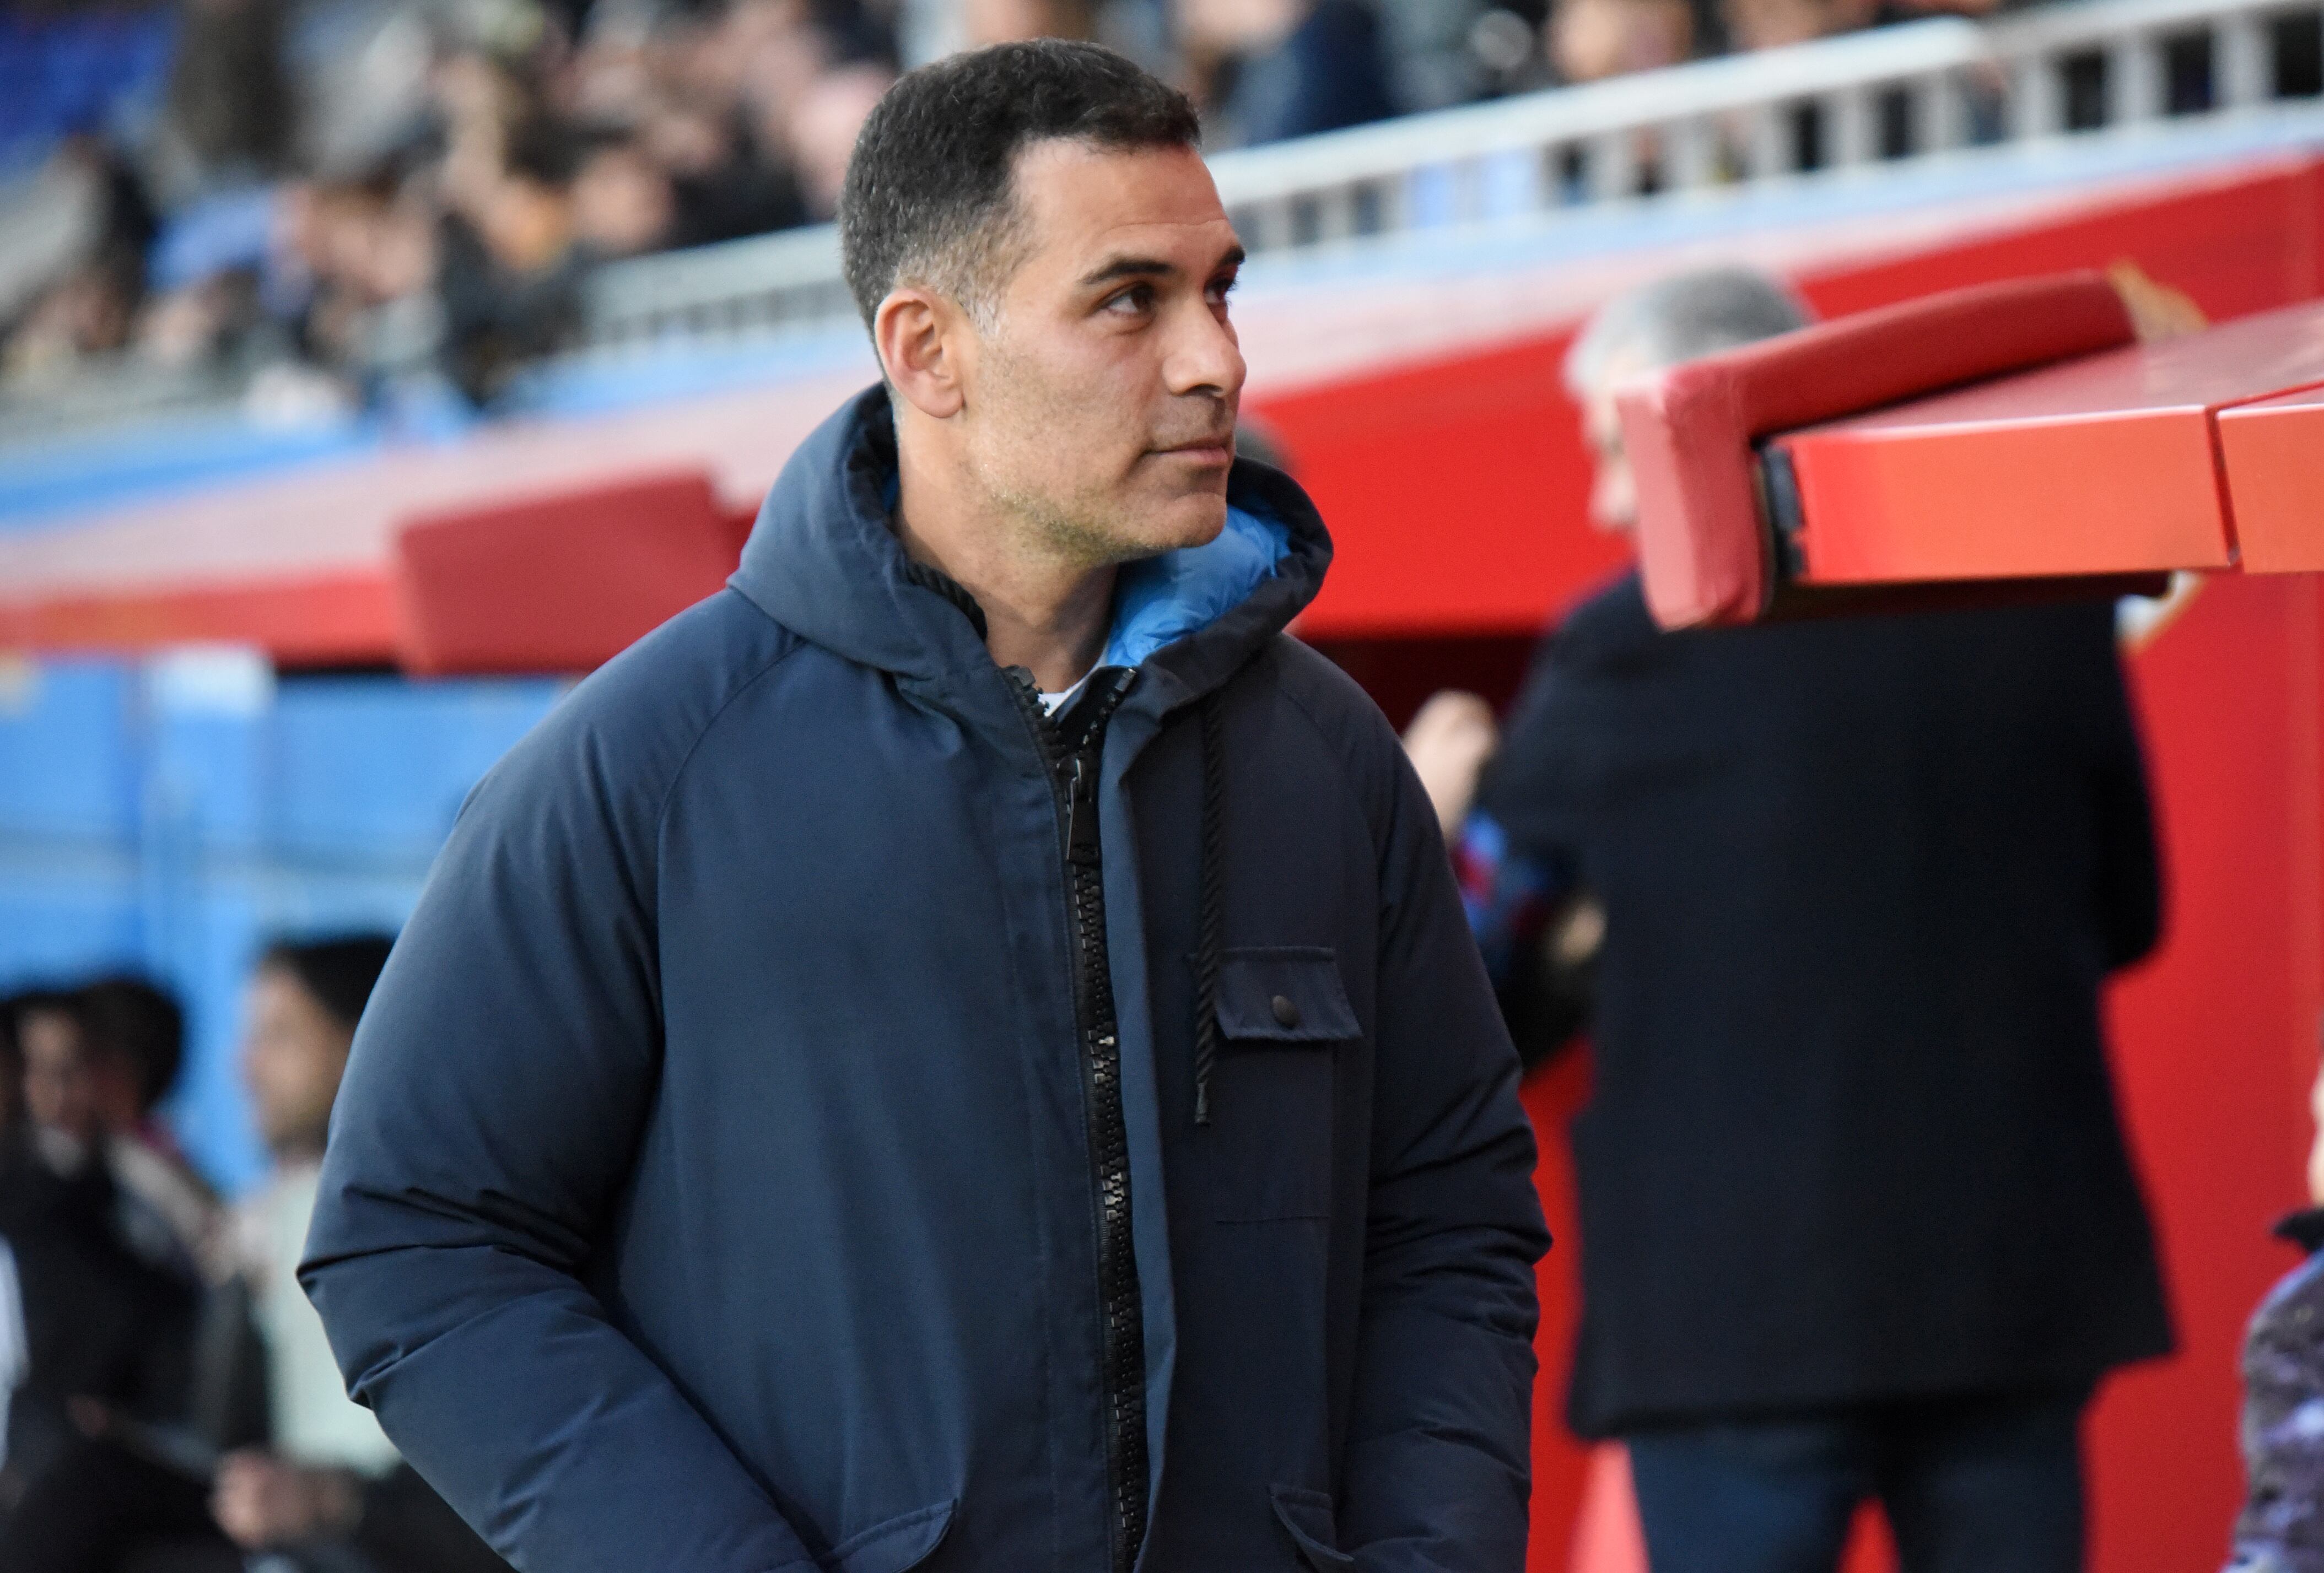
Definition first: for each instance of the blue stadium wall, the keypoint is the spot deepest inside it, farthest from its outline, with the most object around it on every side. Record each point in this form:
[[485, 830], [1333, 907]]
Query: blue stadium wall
[[171, 816]]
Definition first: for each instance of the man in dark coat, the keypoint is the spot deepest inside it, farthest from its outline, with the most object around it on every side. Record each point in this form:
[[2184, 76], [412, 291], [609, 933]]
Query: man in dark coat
[[1860, 1221], [83, 1316], [961, 1051]]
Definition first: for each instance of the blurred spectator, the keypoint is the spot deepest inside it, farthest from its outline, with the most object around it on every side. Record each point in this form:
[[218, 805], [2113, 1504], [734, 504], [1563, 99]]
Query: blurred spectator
[[1590, 40], [321, 1482], [303, 1003], [2280, 1529], [990, 21], [200, 321], [133, 1039], [820, 129], [1757, 25], [63, 1095], [1268, 69], [358, 269], [439, 179], [508, 269], [721, 194], [1861, 1224], [15, 1358], [97, 1323], [82, 304], [228, 119], [623, 200]]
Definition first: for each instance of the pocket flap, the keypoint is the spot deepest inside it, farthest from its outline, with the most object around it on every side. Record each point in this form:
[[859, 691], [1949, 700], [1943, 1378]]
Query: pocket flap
[[1288, 994], [892, 1545], [1307, 1515]]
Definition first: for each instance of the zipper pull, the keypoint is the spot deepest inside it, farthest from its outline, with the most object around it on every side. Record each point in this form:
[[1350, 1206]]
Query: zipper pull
[[1081, 814]]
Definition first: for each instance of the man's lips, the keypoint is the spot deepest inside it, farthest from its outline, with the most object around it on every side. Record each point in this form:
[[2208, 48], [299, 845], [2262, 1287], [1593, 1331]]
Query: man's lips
[[1216, 449]]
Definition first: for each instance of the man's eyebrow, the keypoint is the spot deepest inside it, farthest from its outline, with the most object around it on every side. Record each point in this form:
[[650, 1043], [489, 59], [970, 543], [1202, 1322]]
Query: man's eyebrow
[[1127, 268], [1119, 267]]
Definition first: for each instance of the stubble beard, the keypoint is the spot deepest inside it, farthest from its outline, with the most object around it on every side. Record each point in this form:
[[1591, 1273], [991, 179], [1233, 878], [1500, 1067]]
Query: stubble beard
[[1084, 528]]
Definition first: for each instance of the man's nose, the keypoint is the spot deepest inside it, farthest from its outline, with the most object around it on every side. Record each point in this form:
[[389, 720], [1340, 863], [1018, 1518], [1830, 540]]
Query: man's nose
[[1204, 357]]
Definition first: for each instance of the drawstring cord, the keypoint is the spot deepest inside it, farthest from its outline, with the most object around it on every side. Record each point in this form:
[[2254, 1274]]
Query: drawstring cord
[[1209, 918]]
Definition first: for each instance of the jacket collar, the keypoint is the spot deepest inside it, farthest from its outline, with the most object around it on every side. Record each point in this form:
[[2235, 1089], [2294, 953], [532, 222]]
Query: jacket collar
[[824, 561]]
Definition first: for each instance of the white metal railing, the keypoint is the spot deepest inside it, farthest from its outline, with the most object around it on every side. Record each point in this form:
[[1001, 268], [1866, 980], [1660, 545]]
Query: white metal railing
[[1901, 92]]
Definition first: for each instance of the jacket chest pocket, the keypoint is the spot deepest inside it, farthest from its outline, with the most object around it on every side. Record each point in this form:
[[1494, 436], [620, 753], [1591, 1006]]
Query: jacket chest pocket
[[1283, 1015]]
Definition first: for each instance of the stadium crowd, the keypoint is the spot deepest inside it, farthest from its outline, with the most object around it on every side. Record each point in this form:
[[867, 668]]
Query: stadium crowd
[[321, 205], [167, 1399]]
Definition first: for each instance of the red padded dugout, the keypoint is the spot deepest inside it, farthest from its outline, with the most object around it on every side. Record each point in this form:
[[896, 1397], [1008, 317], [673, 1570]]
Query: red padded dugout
[[2122, 460], [2269, 449]]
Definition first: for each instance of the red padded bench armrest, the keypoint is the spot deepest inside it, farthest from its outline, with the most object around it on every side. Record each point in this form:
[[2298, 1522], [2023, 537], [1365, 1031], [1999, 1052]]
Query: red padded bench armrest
[[559, 582], [1706, 549]]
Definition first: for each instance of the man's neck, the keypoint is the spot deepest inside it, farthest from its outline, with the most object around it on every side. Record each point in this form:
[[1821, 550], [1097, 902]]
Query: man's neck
[[1041, 612]]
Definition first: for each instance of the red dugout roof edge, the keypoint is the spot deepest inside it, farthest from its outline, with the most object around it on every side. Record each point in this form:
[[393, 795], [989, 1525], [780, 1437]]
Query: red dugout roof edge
[[327, 619], [1450, 420]]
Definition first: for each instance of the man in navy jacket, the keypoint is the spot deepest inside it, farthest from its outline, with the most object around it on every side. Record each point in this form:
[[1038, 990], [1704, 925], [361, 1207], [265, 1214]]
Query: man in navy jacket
[[963, 1050], [1861, 1221]]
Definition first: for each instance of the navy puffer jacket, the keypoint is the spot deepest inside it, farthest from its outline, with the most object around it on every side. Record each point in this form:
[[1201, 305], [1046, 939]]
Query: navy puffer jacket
[[740, 1168]]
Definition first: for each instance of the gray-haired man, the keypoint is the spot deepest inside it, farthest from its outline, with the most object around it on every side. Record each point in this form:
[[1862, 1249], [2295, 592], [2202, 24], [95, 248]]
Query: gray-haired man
[[1860, 1222]]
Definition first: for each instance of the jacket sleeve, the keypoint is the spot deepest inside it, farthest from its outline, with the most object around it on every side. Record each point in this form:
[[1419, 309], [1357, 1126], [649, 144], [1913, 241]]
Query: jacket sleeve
[[405, 1524], [491, 1110], [1439, 1451]]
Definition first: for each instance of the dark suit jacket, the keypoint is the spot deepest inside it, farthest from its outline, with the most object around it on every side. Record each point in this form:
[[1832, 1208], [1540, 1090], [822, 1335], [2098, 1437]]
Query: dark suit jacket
[[1852, 1135]]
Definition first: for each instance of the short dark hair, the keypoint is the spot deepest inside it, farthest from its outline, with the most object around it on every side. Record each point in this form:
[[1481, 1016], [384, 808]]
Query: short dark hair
[[140, 1021], [927, 195], [340, 973]]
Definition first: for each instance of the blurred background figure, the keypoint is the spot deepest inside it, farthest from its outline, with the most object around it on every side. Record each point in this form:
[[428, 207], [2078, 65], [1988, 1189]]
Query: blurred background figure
[[1268, 69], [366, 206], [1757, 25], [73, 273], [2281, 1527], [624, 202], [1591, 40], [1861, 1222], [263, 1452], [134, 1037], [100, 1321], [385, 206], [991, 21]]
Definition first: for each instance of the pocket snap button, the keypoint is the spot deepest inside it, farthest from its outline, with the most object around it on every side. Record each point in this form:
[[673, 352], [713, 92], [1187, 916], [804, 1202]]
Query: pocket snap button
[[1285, 1013]]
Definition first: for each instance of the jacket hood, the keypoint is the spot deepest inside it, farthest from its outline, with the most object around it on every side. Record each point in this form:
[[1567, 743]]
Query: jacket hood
[[824, 561]]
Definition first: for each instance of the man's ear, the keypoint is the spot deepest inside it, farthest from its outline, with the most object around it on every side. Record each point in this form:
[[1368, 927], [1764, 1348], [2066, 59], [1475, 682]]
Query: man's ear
[[922, 338]]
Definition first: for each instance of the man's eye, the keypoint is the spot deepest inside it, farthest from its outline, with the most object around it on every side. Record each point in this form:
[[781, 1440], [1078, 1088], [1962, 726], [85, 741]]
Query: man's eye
[[1137, 298], [1221, 290]]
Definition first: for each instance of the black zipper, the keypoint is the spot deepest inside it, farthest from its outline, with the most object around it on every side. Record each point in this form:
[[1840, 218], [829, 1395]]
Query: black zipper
[[1072, 747]]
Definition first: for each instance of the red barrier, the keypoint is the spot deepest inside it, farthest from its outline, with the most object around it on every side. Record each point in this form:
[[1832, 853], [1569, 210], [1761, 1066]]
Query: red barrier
[[557, 582], [2108, 463], [321, 620], [2271, 451], [1690, 430]]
